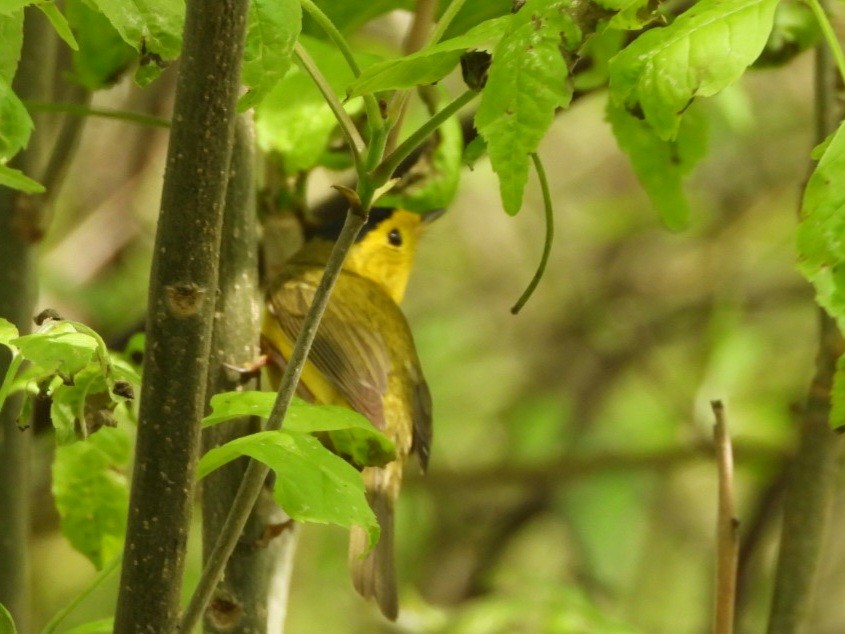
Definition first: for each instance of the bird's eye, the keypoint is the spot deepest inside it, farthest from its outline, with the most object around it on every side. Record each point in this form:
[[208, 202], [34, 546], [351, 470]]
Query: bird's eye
[[395, 238]]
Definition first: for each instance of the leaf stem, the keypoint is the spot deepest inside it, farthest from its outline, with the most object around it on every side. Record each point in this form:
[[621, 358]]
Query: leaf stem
[[829, 35], [385, 169], [445, 20], [324, 22], [347, 127], [88, 111], [727, 527], [8, 379], [256, 472], [95, 583], [550, 233]]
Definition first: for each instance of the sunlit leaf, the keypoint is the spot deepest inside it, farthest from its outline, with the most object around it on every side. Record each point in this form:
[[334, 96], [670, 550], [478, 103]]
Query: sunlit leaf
[[92, 493], [101, 626], [11, 39], [272, 31], [312, 484], [61, 349], [15, 123], [59, 22], [526, 84], [16, 179], [703, 51], [103, 54], [7, 624]]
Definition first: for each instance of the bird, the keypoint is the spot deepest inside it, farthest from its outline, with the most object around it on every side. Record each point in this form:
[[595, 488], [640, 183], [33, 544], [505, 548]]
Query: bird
[[363, 357]]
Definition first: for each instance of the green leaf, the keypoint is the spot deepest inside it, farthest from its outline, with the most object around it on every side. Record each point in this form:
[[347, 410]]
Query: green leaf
[[821, 251], [432, 183], [348, 15], [294, 119], [630, 14], [475, 12], [526, 83], [59, 349], [703, 51], [312, 484], [430, 64], [16, 179], [101, 626], [273, 28], [350, 432], [59, 23], [92, 493], [8, 331], [15, 123], [151, 27], [473, 152], [103, 55], [661, 165], [87, 401], [11, 39], [795, 29], [7, 624], [837, 397], [8, 7]]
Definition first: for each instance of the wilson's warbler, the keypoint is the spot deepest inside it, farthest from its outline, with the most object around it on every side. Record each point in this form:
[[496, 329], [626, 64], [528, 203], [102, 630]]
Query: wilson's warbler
[[364, 358]]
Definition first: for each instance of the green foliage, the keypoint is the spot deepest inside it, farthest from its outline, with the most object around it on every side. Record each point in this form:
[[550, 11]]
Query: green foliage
[[795, 29], [350, 433], [272, 32], [103, 54], [526, 84], [101, 626], [16, 179], [59, 23], [11, 39], [15, 123], [7, 625], [703, 51], [430, 64], [312, 484], [91, 490], [348, 16]]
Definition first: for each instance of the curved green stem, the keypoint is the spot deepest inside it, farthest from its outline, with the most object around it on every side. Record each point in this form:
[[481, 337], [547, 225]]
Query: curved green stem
[[445, 20], [104, 574], [550, 233], [347, 126], [829, 35], [87, 111], [324, 22], [9, 378], [385, 169]]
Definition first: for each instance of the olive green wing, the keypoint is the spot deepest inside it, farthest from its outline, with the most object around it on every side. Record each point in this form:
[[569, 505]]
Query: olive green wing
[[347, 349]]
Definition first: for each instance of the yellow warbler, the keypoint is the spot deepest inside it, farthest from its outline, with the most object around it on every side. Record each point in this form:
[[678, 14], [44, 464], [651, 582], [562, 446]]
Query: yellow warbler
[[364, 358]]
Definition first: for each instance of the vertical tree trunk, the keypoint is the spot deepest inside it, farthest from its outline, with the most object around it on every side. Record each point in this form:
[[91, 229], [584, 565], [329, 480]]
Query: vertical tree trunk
[[18, 293], [183, 287]]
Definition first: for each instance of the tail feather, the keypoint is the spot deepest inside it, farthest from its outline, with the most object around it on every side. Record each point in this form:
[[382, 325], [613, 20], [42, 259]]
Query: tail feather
[[374, 574]]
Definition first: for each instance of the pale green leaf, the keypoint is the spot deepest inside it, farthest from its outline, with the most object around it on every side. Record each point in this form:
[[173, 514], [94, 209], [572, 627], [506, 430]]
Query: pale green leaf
[[430, 64], [8, 7], [351, 433], [16, 179], [475, 12], [526, 84], [59, 23], [59, 349], [11, 39], [15, 123], [821, 232], [103, 55], [312, 484], [92, 493], [101, 626], [273, 28], [661, 165], [8, 331], [703, 51], [7, 624]]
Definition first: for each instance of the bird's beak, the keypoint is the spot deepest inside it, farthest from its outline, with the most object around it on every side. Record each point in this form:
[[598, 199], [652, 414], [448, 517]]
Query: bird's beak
[[430, 216]]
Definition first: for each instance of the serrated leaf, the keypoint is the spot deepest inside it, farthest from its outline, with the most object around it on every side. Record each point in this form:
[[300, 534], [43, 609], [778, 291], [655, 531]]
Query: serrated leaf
[[661, 165], [526, 83], [16, 179], [92, 493], [103, 55], [433, 182], [272, 31], [294, 119], [430, 64], [312, 484], [7, 624], [59, 349], [350, 432], [11, 40], [151, 27], [703, 51], [59, 23], [821, 248], [15, 123]]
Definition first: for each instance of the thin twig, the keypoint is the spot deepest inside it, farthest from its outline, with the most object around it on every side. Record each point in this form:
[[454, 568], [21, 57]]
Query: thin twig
[[727, 527], [445, 20], [95, 583], [256, 473], [550, 234], [106, 113]]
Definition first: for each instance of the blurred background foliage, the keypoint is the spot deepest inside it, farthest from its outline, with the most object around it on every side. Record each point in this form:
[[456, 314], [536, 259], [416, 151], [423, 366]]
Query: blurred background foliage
[[571, 488]]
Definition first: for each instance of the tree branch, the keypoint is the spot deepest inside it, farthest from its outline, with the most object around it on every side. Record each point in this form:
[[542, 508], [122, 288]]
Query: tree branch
[[727, 527], [183, 285]]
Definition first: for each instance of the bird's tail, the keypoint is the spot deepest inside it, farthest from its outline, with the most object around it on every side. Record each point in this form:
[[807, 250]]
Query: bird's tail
[[374, 573]]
